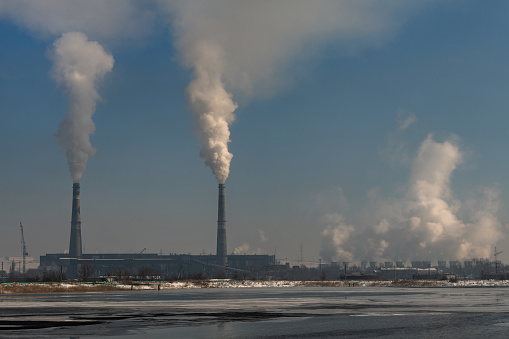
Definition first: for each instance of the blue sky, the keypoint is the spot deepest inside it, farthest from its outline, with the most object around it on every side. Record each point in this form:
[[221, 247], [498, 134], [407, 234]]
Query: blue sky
[[325, 143]]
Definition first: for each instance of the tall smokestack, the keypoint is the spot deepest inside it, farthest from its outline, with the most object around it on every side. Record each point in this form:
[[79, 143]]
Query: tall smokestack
[[75, 244], [221, 228]]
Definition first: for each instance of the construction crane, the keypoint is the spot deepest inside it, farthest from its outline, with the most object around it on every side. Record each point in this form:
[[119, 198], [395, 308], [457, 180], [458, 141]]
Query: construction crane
[[496, 262], [23, 248]]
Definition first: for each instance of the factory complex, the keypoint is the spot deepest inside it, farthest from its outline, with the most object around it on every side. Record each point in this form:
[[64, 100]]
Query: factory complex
[[76, 264], [158, 266]]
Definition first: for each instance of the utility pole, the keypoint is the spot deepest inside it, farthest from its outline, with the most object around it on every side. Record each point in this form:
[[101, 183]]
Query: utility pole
[[301, 251], [496, 261]]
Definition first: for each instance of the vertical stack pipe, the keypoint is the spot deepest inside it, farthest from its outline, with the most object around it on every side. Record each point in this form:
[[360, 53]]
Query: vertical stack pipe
[[75, 244], [221, 228]]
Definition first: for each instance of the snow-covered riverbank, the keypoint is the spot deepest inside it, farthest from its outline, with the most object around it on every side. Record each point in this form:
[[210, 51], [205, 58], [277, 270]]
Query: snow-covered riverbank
[[226, 283]]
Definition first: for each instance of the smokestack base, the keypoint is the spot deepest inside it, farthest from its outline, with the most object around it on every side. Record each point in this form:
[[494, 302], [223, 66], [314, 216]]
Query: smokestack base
[[75, 242], [221, 227]]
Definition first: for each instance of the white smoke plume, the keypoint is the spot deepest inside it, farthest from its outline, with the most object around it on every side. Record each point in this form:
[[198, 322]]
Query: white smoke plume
[[212, 108], [245, 48], [263, 237], [334, 237], [428, 224], [245, 248], [242, 249], [78, 64]]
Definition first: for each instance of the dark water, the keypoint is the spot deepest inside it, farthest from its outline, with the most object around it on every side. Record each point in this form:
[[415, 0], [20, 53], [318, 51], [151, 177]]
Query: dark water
[[260, 313]]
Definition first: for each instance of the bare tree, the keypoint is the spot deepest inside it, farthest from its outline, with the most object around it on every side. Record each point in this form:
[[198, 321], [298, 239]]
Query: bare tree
[[85, 271], [53, 276], [32, 275], [147, 273]]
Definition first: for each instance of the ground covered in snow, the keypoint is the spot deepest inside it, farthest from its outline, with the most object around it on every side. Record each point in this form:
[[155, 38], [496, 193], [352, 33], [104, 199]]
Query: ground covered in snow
[[227, 283]]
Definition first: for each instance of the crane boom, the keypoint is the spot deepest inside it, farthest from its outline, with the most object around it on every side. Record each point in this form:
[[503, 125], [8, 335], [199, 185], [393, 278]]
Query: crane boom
[[23, 247]]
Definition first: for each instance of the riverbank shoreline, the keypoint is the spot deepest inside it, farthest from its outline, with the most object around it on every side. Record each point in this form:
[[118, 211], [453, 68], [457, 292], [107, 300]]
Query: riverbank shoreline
[[76, 287]]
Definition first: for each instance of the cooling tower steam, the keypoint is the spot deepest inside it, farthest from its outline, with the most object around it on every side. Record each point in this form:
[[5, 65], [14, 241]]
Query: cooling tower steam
[[212, 108], [78, 64], [428, 222]]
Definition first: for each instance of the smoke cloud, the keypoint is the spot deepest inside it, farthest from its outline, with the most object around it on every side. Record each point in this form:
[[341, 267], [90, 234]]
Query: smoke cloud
[[245, 248], [428, 224], [263, 237], [112, 20], [212, 108], [334, 237], [78, 64], [240, 49], [244, 49], [261, 39], [405, 120]]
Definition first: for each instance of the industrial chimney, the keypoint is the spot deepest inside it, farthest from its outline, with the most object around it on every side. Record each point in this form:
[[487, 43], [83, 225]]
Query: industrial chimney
[[221, 228], [75, 244]]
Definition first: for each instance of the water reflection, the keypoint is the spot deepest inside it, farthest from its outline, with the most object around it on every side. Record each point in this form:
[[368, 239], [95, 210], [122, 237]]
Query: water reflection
[[267, 312]]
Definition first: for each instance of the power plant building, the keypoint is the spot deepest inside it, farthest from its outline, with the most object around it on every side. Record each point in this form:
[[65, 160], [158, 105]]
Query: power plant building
[[164, 266], [171, 265]]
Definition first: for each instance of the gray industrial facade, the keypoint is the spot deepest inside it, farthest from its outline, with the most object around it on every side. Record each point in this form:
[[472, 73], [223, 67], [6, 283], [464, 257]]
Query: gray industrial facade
[[163, 266]]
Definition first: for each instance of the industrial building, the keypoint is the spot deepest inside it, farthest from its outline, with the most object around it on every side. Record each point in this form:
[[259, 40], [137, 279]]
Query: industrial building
[[153, 264], [158, 265], [390, 273]]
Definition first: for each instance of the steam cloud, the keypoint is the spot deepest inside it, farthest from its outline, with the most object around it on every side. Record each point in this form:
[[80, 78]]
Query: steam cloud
[[239, 49], [242, 49], [78, 65], [245, 248], [428, 224], [111, 21], [213, 109]]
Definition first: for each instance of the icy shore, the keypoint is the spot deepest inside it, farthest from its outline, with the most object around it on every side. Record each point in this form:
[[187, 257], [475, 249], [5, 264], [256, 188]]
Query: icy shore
[[227, 283]]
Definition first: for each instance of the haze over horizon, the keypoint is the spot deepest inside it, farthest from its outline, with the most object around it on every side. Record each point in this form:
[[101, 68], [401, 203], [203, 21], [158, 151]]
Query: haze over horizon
[[366, 130]]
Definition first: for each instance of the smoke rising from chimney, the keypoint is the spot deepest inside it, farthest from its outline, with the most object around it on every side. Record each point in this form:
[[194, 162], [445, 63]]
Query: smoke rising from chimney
[[212, 108], [244, 49], [78, 64]]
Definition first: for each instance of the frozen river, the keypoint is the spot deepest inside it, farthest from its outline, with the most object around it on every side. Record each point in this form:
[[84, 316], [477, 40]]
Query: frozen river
[[360, 312]]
